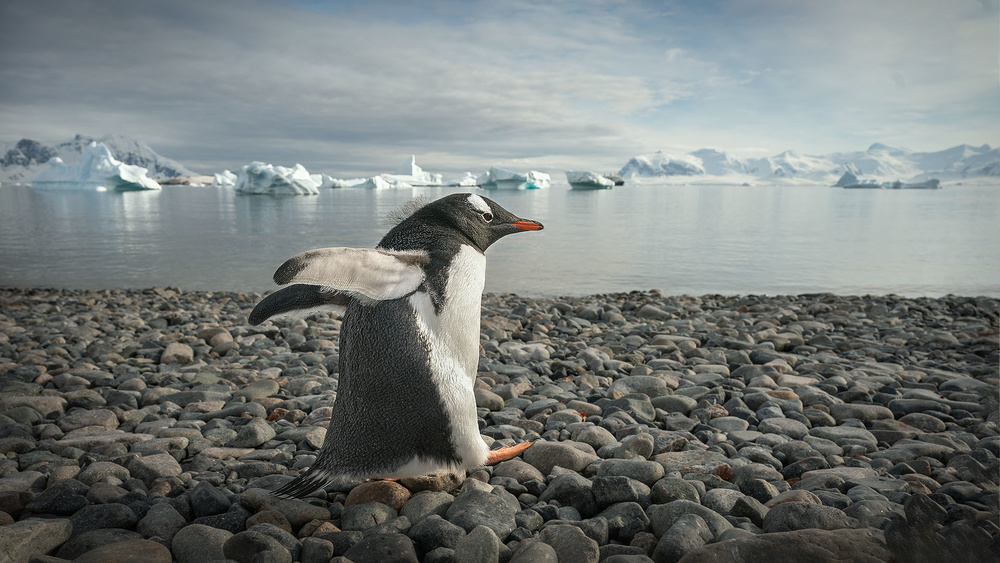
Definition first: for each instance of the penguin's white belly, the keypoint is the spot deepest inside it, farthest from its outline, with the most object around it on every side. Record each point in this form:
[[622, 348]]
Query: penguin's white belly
[[453, 340]]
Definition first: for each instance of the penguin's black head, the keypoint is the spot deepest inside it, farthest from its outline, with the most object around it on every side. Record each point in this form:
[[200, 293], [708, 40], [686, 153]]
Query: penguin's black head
[[478, 219]]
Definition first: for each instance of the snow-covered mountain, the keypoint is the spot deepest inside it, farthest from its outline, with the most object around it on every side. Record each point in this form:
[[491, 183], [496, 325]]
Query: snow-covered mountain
[[24, 160], [878, 163]]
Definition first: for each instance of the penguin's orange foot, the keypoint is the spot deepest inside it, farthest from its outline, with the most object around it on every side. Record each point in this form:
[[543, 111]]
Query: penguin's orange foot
[[505, 453]]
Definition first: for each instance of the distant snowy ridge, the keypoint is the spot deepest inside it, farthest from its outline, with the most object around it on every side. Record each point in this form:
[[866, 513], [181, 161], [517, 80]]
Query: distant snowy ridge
[[24, 160], [879, 163]]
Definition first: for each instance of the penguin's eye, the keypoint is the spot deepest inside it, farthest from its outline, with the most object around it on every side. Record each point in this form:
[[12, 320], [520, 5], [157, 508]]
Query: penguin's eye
[[487, 216]]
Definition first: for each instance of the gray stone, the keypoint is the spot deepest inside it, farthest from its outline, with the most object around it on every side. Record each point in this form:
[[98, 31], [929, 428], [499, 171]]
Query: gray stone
[[615, 489], [207, 500], [481, 545], [846, 436], [434, 531], [519, 470], [862, 546], [360, 517], [258, 389], [535, 552], [153, 467], [789, 516], [486, 399], [96, 516], [129, 550], [80, 544], [620, 516], [100, 470], [687, 533], [595, 436], [161, 520], [425, 503], [252, 434], [494, 509], [572, 489], [663, 516], [177, 353], [787, 426], [316, 550], [284, 537], [546, 455], [864, 413], [383, 548], [234, 519], [669, 489], [101, 418], [570, 544], [22, 540], [247, 546], [297, 512], [647, 472]]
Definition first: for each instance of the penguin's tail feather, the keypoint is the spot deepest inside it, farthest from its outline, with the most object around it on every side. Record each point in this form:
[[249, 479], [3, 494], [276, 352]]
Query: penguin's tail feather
[[304, 484]]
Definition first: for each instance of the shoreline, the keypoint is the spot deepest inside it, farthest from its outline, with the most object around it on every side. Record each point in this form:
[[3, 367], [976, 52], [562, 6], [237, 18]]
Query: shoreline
[[149, 421]]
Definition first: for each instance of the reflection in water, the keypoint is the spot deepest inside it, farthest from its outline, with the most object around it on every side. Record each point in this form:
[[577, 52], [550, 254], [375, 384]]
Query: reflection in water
[[680, 239]]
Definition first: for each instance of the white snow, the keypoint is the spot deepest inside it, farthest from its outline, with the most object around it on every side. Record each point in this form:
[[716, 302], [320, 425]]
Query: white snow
[[502, 179], [224, 179], [260, 178], [97, 170], [588, 180]]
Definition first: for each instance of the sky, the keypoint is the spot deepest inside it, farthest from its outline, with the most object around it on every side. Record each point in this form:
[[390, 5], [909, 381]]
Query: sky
[[354, 88]]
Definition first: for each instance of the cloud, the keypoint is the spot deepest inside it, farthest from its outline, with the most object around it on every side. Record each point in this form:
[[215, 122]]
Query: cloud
[[353, 88]]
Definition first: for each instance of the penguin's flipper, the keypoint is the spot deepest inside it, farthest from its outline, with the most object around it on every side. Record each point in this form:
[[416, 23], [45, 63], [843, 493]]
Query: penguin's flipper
[[299, 300], [367, 273]]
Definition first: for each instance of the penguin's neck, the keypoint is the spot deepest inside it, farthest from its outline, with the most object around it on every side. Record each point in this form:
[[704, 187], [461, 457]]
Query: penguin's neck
[[454, 327]]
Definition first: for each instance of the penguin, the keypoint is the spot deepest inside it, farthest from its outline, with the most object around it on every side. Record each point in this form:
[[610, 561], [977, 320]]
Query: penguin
[[409, 342]]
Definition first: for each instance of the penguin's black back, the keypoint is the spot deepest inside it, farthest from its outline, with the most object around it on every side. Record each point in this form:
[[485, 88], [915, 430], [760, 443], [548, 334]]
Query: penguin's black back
[[388, 408]]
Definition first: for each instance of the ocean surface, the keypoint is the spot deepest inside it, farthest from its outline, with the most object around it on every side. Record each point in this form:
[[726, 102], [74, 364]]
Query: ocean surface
[[679, 239]]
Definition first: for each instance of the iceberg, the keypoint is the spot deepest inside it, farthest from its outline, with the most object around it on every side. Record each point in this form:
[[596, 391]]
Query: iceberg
[[224, 179], [260, 178], [324, 181], [580, 180], [469, 180], [96, 170], [383, 182], [352, 183], [406, 176], [500, 179], [412, 175]]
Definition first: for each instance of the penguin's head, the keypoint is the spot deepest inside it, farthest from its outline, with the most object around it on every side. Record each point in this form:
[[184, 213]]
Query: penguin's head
[[480, 220]]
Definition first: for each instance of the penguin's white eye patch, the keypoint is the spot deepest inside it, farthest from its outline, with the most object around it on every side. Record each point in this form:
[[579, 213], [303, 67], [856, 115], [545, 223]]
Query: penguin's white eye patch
[[487, 216]]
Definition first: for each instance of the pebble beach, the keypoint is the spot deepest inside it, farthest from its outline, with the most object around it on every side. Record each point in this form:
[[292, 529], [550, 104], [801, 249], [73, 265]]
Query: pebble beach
[[149, 425]]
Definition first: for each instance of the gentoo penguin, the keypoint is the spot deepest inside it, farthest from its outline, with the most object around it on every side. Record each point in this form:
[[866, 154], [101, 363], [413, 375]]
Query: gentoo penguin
[[409, 341]]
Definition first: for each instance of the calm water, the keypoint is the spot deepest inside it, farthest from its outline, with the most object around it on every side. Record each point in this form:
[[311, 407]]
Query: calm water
[[679, 239]]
